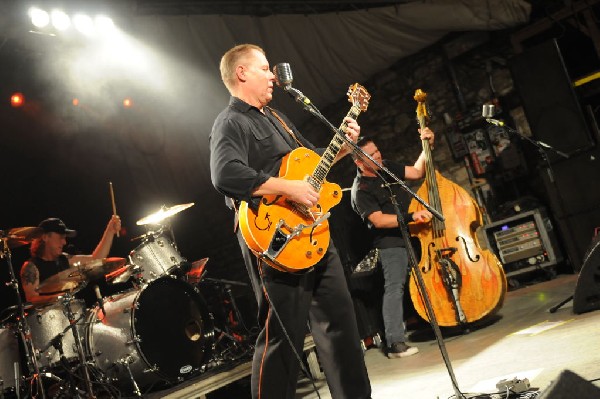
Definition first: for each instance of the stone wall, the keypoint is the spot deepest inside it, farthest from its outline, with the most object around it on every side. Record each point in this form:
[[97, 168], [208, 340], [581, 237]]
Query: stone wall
[[391, 116]]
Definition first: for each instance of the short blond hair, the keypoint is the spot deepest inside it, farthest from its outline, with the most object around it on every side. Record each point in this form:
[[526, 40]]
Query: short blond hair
[[230, 61]]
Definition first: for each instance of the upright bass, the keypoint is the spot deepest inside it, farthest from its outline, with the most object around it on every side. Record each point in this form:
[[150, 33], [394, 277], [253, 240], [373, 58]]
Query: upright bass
[[465, 283]]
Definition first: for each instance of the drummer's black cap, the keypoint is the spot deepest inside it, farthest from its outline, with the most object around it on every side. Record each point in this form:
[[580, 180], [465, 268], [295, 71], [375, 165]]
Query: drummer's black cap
[[56, 225]]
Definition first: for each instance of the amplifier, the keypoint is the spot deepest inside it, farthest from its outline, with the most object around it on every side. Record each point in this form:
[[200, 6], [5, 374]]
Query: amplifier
[[524, 242]]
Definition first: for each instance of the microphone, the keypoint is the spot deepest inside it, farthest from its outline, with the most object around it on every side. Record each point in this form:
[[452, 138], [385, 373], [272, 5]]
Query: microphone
[[487, 112], [283, 75], [99, 298], [284, 78]]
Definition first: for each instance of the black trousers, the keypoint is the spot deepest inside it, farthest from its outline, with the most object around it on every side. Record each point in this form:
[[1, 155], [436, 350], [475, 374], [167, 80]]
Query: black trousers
[[322, 298]]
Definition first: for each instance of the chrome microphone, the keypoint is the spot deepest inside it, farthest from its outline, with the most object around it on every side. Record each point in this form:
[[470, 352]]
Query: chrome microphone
[[487, 112], [283, 75], [284, 79]]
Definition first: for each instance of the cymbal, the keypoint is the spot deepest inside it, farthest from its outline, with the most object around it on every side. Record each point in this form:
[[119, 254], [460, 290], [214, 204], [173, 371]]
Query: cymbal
[[19, 236], [67, 280], [120, 275], [163, 213], [98, 268]]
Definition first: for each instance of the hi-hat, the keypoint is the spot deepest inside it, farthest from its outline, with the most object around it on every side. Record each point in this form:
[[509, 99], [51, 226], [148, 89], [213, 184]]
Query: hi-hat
[[67, 280], [19, 236], [162, 214]]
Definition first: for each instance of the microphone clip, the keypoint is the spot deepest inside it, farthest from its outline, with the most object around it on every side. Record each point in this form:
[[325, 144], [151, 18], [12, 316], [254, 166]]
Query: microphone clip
[[298, 95]]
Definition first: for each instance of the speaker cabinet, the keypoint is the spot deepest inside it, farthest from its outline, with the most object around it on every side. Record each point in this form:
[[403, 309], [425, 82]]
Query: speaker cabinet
[[569, 385], [551, 105], [587, 290]]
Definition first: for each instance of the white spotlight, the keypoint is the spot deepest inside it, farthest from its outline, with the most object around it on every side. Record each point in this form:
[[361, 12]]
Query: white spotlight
[[39, 18], [60, 20], [104, 24], [84, 24]]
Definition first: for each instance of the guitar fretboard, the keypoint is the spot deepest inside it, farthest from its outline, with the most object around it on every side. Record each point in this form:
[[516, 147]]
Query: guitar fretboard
[[332, 150]]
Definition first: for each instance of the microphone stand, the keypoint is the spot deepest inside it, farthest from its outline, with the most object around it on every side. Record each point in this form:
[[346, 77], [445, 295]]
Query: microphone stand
[[30, 351], [541, 147], [308, 106]]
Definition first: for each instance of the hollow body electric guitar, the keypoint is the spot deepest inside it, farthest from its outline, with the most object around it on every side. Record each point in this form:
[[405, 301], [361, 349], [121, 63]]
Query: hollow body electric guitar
[[290, 236]]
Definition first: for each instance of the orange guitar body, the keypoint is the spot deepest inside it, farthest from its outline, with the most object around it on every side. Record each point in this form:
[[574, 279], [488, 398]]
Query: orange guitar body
[[259, 227], [289, 236]]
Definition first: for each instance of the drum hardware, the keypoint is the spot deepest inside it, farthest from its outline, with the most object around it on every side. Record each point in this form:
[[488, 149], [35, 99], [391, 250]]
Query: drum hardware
[[66, 301], [125, 361], [14, 238], [230, 344]]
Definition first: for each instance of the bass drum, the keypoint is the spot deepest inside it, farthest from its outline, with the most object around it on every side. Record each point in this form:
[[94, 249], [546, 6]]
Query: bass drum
[[162, 332]]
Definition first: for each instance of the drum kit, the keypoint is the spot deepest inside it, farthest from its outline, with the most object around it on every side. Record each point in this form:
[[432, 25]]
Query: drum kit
[[158, 333]]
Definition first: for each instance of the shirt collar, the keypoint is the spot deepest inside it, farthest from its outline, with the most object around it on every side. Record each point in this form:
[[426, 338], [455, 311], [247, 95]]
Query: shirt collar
[[240, 105]]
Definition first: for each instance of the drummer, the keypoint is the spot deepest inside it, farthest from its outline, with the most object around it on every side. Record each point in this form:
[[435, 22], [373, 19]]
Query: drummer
[[48, 258]]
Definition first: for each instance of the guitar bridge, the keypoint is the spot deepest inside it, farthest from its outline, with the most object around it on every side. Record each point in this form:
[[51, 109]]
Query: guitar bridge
[[280, 239]]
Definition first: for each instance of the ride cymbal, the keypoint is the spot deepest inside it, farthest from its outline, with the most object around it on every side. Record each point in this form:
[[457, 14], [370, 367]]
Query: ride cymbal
[[162, 214], [99, 268]]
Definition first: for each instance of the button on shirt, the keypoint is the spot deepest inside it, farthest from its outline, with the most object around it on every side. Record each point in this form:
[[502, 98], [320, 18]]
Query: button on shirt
[[246, 149]]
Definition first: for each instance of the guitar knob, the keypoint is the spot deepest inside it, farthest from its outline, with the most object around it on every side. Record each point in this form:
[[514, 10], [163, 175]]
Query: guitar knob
[[309, 254], [320, 250]]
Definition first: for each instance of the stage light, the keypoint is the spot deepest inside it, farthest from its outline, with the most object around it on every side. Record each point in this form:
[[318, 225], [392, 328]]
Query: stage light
[[104, 24], [75, 102], [17, 100], [84, 24], [39, 18], [127, 102], [60, 20]]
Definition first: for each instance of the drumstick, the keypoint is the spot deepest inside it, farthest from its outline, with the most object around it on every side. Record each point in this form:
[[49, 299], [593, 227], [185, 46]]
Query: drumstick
[[112, 198]]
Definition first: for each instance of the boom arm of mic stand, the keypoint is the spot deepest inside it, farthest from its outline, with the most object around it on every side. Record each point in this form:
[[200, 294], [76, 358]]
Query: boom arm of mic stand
[[308, 106], [540, 145]]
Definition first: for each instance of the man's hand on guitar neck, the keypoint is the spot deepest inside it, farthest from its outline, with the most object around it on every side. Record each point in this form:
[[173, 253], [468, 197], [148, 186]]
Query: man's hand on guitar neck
[[299, 191], [352, 132]]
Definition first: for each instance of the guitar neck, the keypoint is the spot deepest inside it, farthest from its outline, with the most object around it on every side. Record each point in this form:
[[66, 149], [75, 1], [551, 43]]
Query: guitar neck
[[331, 152]]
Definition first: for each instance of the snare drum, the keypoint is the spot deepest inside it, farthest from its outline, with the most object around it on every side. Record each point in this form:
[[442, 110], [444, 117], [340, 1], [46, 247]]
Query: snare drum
[[48, 323], [156, 257], [161, 332], [10, 366]]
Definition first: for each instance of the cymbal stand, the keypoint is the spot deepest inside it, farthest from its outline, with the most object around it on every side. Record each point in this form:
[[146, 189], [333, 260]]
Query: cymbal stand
[[22, 325], [66, 301]]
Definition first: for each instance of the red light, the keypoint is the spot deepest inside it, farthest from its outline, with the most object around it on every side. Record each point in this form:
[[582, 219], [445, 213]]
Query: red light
[[17, 100], [75, 102], [127, 103]]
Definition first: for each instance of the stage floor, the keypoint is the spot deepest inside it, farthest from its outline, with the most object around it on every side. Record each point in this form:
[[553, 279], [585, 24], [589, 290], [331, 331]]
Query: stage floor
[[526, 341]]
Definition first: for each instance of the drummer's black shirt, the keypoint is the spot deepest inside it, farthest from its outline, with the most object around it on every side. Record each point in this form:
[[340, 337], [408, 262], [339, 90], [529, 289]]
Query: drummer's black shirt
[[48, 268]]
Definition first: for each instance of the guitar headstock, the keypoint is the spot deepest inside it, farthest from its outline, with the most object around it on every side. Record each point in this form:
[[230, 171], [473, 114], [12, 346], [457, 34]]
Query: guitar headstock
[[358, 96]]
